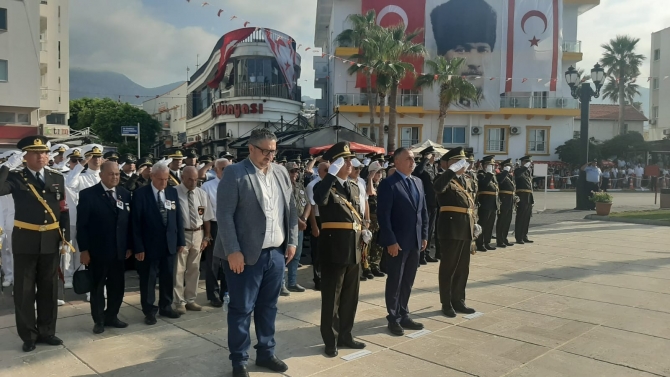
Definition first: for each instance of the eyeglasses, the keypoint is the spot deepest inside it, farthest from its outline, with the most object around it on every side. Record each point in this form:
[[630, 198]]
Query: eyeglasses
[[265, 152]]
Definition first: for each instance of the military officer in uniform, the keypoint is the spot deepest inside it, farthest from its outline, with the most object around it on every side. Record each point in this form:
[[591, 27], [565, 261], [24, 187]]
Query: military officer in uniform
[[190, 157], [40, 227], [141, 177], [339, 252], [111, 156], [128, 161], [177, 156], [59, 158], [489, 205], [456, 229], [426, 172], [506, 195], [523, 178]]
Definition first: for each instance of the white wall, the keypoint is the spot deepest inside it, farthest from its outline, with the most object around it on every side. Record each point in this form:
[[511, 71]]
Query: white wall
[[606, 129], [57, 77], [175, 100], [660, 97]]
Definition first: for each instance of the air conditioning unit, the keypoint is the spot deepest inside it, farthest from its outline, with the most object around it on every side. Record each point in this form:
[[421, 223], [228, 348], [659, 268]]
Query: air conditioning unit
[[515, 131], [476, 131], [386, 129], [666, 132], [341, 99]]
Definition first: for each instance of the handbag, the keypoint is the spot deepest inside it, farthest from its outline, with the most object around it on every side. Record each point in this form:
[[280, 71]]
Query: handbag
[[82, 281]]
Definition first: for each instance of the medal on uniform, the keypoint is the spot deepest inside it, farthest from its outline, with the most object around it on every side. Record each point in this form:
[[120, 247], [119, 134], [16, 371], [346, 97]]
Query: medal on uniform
[[174, 206], [57, 195], [303, 202], [201, 211]]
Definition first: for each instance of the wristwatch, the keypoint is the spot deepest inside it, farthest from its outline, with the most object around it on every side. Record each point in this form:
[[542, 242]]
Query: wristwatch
[[208, 239], [303, 219]]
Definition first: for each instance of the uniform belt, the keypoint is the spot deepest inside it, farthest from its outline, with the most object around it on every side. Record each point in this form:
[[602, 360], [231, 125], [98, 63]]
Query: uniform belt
[[193, 230], [487, 193], [526, 191], [506, 192], [456, 209], [35, 227], [339, 225]]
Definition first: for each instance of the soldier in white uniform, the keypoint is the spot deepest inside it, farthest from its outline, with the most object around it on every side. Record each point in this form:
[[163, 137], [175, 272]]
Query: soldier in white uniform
[[84, 175], [72, 158], [7, 225], [58, 156]]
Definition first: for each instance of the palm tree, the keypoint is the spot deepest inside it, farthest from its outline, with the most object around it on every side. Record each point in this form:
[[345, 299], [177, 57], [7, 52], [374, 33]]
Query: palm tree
[[621, 65], [361, 27], [611, 91], [453, 87]]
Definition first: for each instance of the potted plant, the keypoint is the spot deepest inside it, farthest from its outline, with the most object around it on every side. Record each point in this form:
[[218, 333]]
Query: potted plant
[[603, 202]]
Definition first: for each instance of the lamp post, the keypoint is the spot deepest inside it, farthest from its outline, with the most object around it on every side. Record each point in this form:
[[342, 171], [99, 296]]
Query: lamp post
[[584, 93]]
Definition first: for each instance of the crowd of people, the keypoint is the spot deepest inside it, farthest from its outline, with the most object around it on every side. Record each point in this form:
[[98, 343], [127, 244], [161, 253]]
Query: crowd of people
[[244, 225]]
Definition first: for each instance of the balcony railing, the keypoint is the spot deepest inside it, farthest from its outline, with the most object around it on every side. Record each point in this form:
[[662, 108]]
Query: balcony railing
[[255, 89], [572, 46], [44, 93], [539, 103], [362, 99]]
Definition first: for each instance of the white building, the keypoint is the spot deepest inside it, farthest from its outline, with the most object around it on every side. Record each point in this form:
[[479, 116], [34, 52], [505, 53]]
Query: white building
[[34, 66], [170, 110], [253, 90], [659, 122], [535, 112], [604, 121]]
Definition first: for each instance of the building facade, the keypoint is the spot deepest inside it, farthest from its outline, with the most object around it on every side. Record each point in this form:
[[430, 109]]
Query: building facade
[[34, 66], [604, 121], [659, 112], [170, 110], [249, 81], [516, 56]]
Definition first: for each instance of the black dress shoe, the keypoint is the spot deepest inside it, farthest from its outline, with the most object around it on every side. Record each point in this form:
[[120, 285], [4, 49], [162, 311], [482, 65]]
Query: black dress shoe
[[119, 324], [99, 328], [170, 314], [461, 308], [331, 351], [507, 243], [51, 340], [215, 302], [317, 286], [482, 249], [519, 242], [28, 346], [422, 260], [409, 324], [351, 344], [396, 329], [448, 311], [489, 247], [150, 319], [375, 271], [526, 240], [240, 371], [368, 274], [273, 363], [430, 259], [363, 278], [501, 245]]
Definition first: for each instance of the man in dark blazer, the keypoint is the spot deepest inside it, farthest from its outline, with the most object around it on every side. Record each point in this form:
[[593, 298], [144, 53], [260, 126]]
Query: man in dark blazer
[[158, 235], [401, 203], [103, 234]]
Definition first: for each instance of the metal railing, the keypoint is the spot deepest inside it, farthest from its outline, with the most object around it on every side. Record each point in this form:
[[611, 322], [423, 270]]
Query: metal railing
[[529, 102], [255, 89], [572, 46], [362, 99]]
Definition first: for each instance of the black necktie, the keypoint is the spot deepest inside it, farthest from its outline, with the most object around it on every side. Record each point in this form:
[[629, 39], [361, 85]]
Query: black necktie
[[110, 195], [161, 208], [413, 190], [39, 179]]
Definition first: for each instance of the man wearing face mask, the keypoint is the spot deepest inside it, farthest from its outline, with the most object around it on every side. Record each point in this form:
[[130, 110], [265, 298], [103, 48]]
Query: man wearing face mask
[[456, 229], [506, 195], [524, 189], [487, 197]]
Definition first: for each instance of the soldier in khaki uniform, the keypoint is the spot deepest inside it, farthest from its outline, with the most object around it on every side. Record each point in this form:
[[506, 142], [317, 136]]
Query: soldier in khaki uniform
[[506, 196], [339, 255], [524, 190], [487, 198], [456, 229]]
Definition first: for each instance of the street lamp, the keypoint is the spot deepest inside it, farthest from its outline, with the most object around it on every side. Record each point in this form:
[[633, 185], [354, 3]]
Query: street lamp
[[584, 93]]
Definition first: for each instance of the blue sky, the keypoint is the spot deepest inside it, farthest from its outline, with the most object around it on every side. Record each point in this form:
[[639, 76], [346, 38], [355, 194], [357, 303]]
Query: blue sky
[[152, 41]]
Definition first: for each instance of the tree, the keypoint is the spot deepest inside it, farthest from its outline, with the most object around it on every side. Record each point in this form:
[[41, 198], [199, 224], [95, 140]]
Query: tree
[[611, 91], [621, 144], [622, 66], [105, 117], [571, 152], [453, 87], [362, 25]]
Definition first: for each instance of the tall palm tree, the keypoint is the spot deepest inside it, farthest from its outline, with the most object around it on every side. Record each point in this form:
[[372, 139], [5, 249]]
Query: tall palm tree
[[453, 87], [611, 91], [362, 24], [621, 65]]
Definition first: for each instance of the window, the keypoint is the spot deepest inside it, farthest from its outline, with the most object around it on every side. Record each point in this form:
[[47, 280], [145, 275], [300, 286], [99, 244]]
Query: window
[[3, 19], [409, 136], [4, 71], [454, 135], [657, 54], [655, 84], [23, 118], [409, 97], [537, 140], [368, 131], [6, 118], [56, 119], [625, 128], [654, 112], [495, 139]]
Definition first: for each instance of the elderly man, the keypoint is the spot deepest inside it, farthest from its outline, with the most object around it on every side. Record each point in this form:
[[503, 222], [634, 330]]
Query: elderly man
[[103, 233], [315, 223], [197, 214], [158, 235], [258, 226], [215, 281]]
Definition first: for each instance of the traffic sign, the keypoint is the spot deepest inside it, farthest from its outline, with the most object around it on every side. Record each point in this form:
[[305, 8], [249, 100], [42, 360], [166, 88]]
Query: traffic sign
[[129, 130]]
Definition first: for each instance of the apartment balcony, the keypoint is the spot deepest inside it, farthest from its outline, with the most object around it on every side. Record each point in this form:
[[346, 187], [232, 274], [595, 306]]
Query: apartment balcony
[[530, 102], [256, 89], [361, 99], [572, 50]]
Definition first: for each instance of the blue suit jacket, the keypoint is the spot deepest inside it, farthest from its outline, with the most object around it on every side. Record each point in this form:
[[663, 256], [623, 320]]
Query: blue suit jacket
[[401, 221], [103, 229], [150, 236]]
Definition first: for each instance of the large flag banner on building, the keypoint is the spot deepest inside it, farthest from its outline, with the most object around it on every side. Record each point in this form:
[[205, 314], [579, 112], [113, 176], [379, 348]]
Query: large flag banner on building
[[410, 13], [282, 48], [533, 39], [230, 41]]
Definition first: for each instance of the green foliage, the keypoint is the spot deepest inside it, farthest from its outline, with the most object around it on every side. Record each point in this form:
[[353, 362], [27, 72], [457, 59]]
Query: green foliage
[[571, 152], [105, 117], [601, 197], [611, 91], [628, 142]]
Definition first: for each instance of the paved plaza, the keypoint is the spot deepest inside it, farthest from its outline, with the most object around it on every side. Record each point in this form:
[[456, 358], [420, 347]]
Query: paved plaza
[[586, 299]]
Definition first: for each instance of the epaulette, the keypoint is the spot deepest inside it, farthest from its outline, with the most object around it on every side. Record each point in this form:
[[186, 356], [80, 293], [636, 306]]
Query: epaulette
[[52, 170]]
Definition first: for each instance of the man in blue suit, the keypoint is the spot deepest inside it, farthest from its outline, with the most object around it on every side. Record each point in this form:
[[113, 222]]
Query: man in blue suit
[[103, 234], [401, 203], [158, 235]]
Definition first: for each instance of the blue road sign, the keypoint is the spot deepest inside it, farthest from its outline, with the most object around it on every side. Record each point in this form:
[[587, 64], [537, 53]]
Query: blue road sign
[[129, 131]]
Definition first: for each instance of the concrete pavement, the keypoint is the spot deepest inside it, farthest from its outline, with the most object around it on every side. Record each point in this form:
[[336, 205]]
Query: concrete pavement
[[586, 299]]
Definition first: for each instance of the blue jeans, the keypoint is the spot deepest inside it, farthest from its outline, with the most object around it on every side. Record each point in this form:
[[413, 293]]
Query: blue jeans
[[293, 265], [255, 290]]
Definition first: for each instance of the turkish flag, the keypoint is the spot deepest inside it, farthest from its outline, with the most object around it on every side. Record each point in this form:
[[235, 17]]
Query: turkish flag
[[230, 41], [282, 48], [411, 13]]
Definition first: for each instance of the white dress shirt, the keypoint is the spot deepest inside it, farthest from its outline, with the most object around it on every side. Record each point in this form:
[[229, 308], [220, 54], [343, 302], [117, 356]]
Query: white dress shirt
[[200, 199], [274, 208], [210, 187], [310, 194], [107, 189], [41, 174], [156, 192], [363, 194]]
